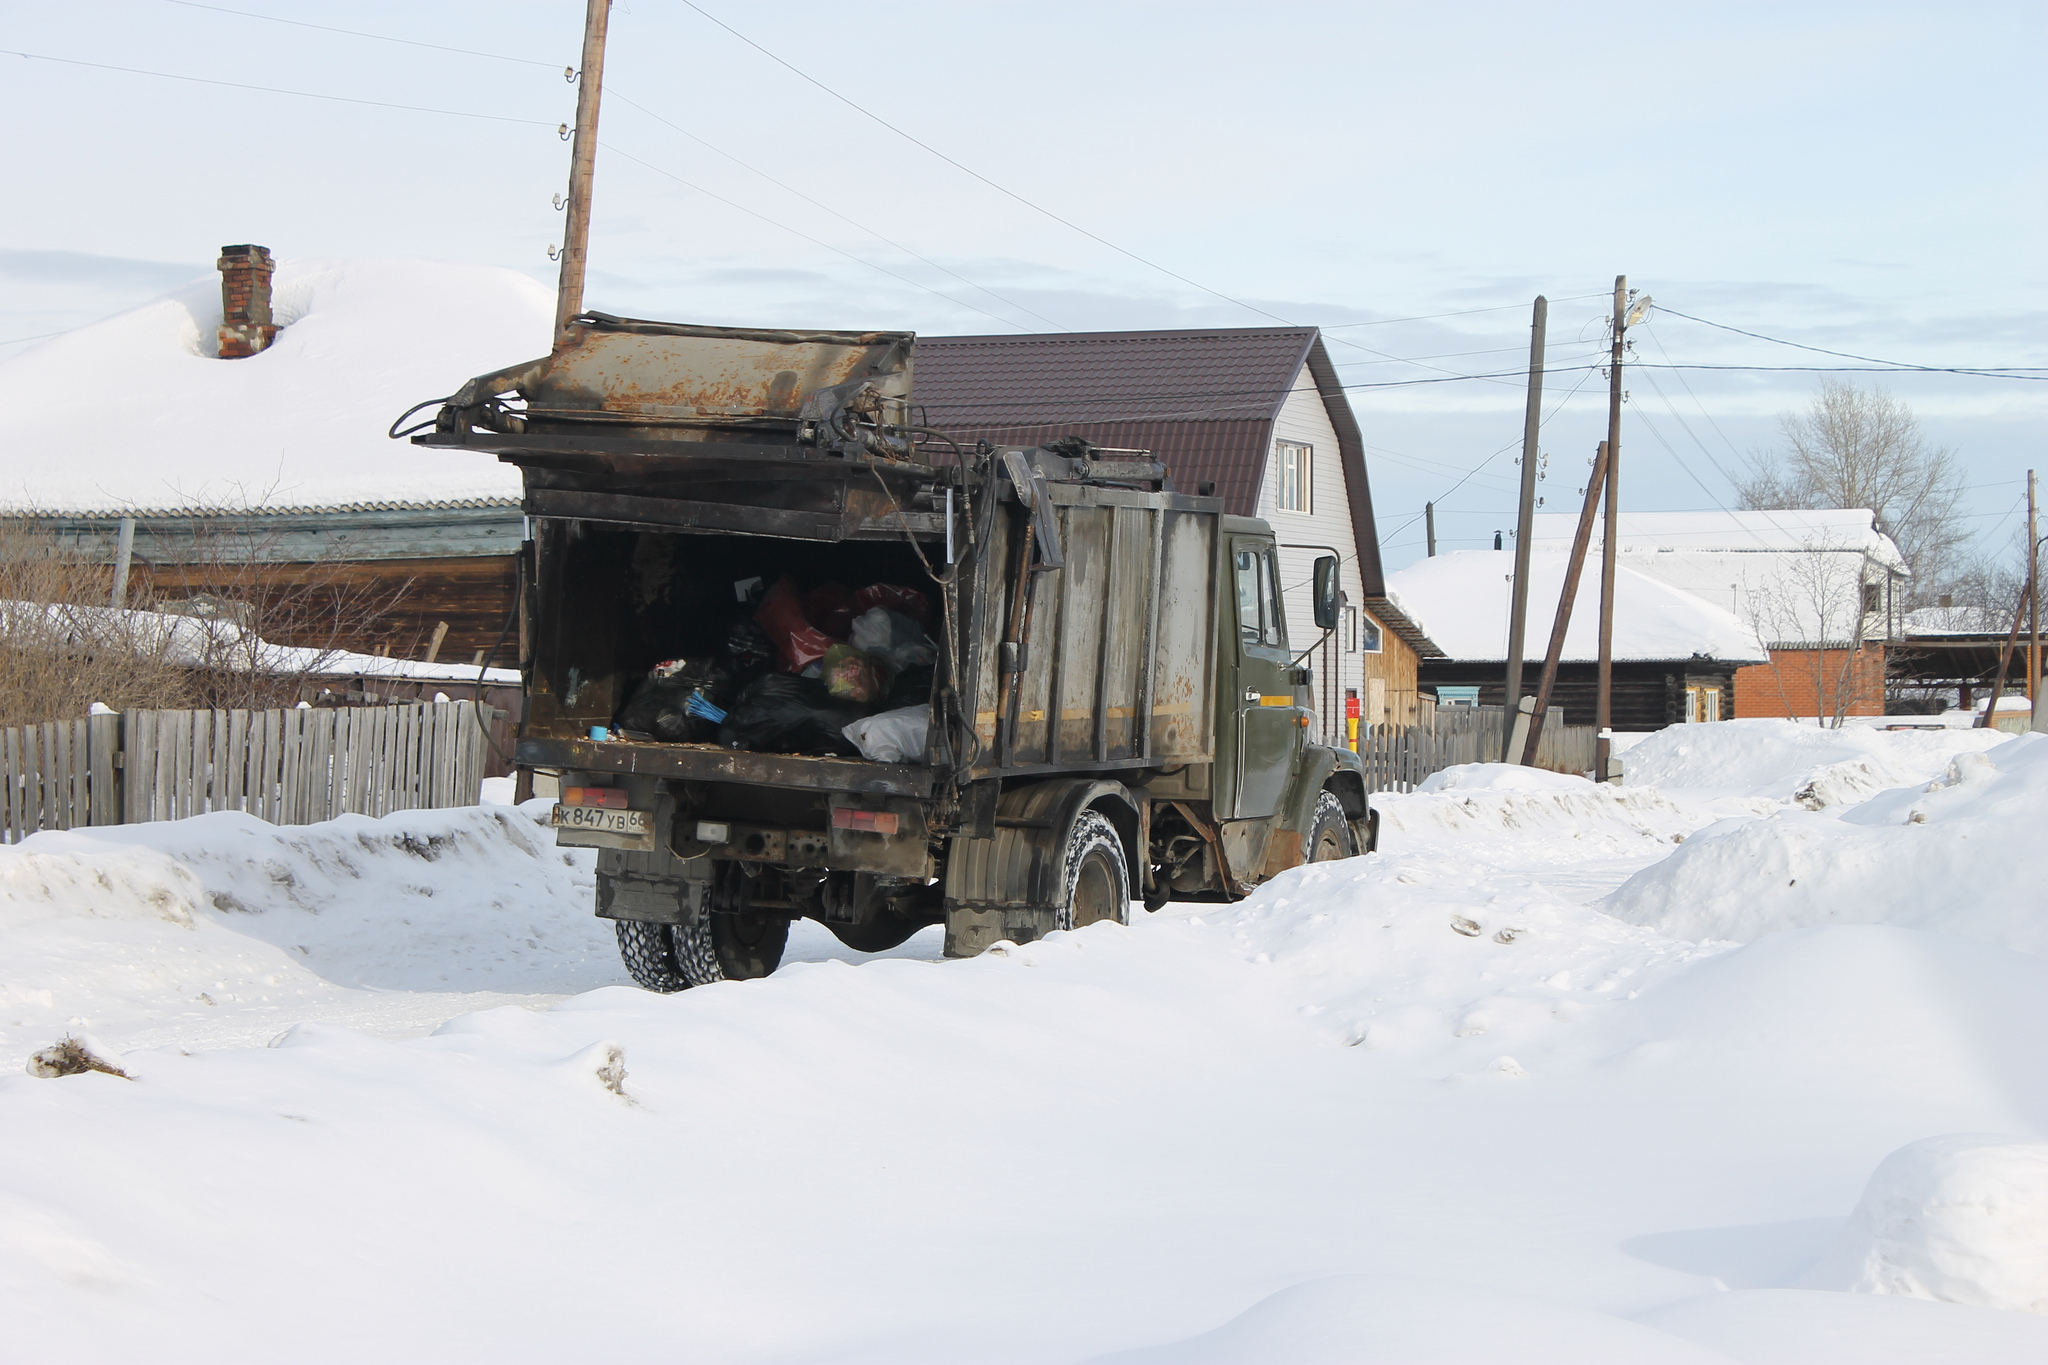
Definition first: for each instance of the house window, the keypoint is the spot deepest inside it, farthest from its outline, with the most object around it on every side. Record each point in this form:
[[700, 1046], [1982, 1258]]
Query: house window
[[1297, 468], [1365, 633], [1702, 704]]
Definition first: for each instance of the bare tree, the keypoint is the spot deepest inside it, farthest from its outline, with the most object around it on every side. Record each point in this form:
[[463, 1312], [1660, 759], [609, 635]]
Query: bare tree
[[1858, 447], [1814, 609]]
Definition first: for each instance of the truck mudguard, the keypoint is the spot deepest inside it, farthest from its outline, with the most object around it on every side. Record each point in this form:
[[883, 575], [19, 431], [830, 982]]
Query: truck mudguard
[[1338, 771]]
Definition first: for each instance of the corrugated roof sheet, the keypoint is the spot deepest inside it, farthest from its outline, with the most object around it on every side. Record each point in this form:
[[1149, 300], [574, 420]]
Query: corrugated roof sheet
[[1221, 375]]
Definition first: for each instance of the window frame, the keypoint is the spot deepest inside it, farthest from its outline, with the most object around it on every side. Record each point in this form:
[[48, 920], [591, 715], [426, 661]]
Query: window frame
[[1294, 473]]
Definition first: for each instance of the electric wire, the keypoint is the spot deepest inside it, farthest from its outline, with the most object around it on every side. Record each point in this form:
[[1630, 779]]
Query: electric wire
[[358, 33], [712, 194], [1987, 370], [275, 90]]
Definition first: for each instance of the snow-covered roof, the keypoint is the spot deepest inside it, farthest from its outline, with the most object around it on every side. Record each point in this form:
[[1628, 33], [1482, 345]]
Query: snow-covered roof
[[1956, 621], [1744, 532], [1761, 565], [1464, 600], [136, 413]]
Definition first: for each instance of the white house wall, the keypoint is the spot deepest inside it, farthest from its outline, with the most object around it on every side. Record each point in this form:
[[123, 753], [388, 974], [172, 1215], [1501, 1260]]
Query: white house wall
[[1303, 418]]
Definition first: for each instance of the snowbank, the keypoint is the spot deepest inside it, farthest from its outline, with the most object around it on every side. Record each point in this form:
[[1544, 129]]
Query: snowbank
[[224, 929], [1963, 855], [1962, 1218], [163, 423], [1784, 761]]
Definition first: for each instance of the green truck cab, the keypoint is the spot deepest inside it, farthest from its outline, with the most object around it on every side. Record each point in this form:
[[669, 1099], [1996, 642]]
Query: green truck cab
[[1116, 713]]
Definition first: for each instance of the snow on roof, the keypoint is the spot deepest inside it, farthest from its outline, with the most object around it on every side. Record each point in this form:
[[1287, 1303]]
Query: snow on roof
[[1463, 601], [136, 413], [1743, 532]]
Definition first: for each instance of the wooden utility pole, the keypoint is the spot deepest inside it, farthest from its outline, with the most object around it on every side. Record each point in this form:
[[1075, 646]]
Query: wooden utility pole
[[582, 167], [1429, 526], [1525, 527], [1603, 746], [1566, 595], [2033, 606]]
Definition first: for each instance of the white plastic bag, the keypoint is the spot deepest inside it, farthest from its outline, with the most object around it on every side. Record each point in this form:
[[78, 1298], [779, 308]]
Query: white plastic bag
[[893, 638], [892, 736]]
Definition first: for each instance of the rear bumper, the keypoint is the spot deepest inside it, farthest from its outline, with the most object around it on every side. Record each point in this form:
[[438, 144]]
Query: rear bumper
[[709, 763]]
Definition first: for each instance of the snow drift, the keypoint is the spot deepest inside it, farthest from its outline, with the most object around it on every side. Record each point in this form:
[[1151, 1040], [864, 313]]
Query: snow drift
[[1962, 1218], [1782, 760], [1963, 855]]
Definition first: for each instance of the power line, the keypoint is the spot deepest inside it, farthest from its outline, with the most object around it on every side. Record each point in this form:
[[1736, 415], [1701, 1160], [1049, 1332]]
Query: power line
[[805, 235], [1068, 223], [622, 97], [358, 33], [1846, 355], [275, 90], [820, 204], [1461, 313]]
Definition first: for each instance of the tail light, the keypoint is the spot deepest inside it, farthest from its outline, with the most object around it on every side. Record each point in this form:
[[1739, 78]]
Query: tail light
[[866, 821], [612, 798]]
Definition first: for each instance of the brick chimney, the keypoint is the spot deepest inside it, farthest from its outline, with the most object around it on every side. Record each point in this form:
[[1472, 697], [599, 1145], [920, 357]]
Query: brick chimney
[[245, 326]]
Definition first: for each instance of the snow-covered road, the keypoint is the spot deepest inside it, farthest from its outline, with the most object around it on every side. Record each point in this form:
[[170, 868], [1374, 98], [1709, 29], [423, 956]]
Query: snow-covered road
[[1430, 1105]]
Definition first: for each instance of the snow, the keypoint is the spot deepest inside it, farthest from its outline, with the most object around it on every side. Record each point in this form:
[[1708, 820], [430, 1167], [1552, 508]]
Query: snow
[[1428, 1105], [1779, 758], [1748, 532], [1463, 601], [1961, 1218], [1962, 855], [137, 412]]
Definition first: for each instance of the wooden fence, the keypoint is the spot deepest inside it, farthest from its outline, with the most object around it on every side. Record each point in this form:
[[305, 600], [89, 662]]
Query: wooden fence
[[1398, 757], [291, 767]]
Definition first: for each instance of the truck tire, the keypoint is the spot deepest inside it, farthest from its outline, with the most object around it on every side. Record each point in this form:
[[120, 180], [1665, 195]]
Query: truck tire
[[730, 947], [650, 956], [1329, 833], [1098, 881]]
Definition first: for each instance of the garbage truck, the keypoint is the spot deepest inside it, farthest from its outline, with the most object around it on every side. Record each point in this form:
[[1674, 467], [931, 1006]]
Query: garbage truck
[[791, 654]]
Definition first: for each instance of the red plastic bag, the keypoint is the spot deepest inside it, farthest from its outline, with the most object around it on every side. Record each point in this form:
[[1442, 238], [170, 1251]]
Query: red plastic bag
[[895, 597], [798, 643], [821, 602]]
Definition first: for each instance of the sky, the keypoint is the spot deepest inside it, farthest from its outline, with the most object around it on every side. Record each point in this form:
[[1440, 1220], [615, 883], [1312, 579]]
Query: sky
[[1862, 177]]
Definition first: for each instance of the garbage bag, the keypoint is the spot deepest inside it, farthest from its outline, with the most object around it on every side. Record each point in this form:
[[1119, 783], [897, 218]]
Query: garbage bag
[[661, 702], [797, 642], [893, 736], [912, 687], [850, 675], [781, 714], [894, 596], [745, 655], [892, 637]]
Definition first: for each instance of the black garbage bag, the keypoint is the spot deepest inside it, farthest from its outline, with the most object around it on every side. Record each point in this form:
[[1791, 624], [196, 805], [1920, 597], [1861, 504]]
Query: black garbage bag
[[661, 703], [912, 687], [779, 713], [745, 656]]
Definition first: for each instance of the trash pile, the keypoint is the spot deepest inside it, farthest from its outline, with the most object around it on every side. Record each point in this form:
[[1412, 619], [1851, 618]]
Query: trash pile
[[828, 671]]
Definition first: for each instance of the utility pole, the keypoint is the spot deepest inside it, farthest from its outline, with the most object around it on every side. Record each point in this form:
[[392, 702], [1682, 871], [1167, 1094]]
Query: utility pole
[[2033, 607], [1429, 526], [1565, 597], [582, 166], [1525, 526], [1603, 746]]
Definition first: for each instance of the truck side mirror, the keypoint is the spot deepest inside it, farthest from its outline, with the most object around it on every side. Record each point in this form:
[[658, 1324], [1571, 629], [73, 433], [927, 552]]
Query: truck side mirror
[[1326, 593]]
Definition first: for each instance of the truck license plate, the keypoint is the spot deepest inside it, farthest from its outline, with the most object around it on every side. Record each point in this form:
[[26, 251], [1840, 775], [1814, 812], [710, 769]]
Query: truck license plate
[[603, 821]]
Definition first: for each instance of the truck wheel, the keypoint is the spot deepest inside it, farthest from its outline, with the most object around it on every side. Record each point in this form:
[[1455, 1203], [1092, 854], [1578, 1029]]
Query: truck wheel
[[650, 956], [1329, 833], [1098, 881], [730, 947]]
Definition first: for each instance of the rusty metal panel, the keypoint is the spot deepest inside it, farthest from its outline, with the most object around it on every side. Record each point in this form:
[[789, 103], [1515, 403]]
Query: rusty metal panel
[[1084, 610], [1124, 639], [1183, 710], [675, 372]]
